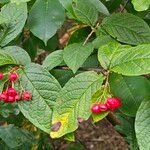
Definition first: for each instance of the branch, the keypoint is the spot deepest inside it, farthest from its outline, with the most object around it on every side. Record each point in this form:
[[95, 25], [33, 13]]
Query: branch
[[93, 30]]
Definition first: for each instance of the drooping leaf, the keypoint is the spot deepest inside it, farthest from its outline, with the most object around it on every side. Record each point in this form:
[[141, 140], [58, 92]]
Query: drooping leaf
[[44, 88], [86, 12], [125, 60], [127, 28], [141, 5], [75, 55], [16, 16], [53, 60], [45, 27], [14, 55], [74, 102], [131, 90], [142, 125], [15, 137]]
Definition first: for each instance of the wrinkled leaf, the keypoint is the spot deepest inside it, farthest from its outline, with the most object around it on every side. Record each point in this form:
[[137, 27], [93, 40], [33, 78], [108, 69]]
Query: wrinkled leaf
[[127, 28], [54, 59], [74, 102], [45, 18], [75, 55], [16, 16], [131, 90], [142, 125], [125, 60], [44, 88], [141, 5]]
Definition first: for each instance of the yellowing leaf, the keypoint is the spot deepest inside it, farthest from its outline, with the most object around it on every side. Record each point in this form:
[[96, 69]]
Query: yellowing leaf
[[74, 102]]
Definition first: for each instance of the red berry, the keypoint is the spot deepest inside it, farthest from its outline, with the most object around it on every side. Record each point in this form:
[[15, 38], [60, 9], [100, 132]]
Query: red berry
[[103, 107], [96, 108], [17, 97], [10, 99], [26, 96], [3, 96], [12, 92], [13, 77], [1, 75], [113, 103]]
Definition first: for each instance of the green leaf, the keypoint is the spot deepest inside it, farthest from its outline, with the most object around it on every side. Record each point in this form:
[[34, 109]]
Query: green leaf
[[53, 60], [86, 12], [74, 102], [44, 88], [127, 28], [126, 60], [76, 54], [30, 45], [142, 125], [103, 40], [19, 1], [80, 35], [141, 5], [15, 137], [127, 128], [14, 55], [45, 27], [100, 7], [100, 97], [70, 137], [16, 16], [131, 90], [62, 76]]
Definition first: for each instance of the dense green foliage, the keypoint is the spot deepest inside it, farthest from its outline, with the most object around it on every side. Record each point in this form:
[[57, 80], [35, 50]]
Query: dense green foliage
[[106, 53]]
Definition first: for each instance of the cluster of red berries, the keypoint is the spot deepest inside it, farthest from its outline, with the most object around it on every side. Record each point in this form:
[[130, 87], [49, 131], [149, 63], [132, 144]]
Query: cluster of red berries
[[10, 95], [110, 104]]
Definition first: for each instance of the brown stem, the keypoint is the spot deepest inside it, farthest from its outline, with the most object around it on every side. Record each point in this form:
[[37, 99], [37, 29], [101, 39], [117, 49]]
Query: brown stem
[[90, 34]]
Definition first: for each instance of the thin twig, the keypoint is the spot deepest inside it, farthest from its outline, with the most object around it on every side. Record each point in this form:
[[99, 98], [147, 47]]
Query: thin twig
[[90, 34], [122, 9]]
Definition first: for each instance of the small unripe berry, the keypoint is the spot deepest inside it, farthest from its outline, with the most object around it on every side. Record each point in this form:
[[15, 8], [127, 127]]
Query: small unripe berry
[[11, 92], [113, 103], [26, 96], [96, 108], [1, 75], [13, 76]]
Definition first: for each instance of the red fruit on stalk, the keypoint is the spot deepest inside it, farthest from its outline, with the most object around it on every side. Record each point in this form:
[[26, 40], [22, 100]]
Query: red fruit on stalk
[[103, 107], [3, 96], [113, 103], [96, 108], [10, 99], [11, 92], [1, 75], [13, 77], [26, 96]]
